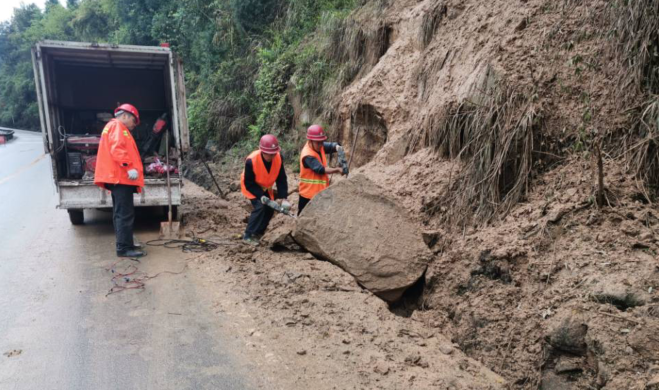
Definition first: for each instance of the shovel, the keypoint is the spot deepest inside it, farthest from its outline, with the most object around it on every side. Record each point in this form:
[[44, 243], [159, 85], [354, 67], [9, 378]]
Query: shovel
[[169, 230]]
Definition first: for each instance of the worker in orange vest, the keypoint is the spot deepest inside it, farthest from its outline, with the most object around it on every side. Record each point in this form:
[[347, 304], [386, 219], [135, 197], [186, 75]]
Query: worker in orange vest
[[263, 169], [313, 165], [119, 169]]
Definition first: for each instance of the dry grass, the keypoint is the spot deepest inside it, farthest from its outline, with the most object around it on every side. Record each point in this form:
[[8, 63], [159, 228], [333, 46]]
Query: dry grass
[[494, 135], [634, 32], [643, 154], [635, 28], [430, 23], [227, 122]]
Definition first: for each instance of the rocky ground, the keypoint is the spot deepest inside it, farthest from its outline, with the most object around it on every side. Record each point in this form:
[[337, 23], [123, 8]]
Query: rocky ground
[[559, 295], [312, 320]]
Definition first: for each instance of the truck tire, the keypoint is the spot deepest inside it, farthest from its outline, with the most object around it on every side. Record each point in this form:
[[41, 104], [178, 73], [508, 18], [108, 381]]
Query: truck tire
[[76, 216]]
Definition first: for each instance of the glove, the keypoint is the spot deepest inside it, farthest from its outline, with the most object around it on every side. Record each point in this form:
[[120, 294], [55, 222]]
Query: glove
[[285, 205], [132, 174], [339, 148]]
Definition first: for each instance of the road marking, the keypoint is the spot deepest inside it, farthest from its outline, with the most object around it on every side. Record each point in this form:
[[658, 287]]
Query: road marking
[[25, 168]]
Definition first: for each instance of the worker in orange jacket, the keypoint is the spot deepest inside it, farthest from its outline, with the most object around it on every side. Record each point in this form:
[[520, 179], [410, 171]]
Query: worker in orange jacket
[[119, 169], [313, 165], [263, 169]]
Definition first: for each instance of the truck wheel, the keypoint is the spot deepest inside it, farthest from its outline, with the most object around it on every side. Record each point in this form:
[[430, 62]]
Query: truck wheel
[[76, 216]]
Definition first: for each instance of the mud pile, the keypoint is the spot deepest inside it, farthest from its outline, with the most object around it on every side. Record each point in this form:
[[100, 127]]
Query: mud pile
[[353, 225]]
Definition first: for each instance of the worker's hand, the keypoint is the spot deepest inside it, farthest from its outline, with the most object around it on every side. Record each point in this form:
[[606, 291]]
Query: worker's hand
[[333, 170], [132, 174], [339, 148], [286, 205]]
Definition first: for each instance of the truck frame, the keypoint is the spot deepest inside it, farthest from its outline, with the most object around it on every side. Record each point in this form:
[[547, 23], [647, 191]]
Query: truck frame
[[78, 83]]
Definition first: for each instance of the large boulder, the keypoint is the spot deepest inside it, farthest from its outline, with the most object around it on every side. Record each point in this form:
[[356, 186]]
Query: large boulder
[[353, 225]]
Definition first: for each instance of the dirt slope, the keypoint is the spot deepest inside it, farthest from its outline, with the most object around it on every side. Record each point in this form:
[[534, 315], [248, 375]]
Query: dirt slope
[[555, 292]]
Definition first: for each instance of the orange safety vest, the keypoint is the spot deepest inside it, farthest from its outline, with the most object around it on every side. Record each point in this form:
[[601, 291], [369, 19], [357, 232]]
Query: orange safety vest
[[312, 183], [263, 178], [117, 147]]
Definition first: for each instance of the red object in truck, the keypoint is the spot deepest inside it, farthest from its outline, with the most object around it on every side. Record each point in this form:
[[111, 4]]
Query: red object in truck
[[3, 140], [159, 125], [90, 163], [83, 142]]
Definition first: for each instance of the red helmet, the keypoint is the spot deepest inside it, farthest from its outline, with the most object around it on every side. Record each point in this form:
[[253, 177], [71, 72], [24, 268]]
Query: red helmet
[[316, 133], [129, 108], [269, 144]]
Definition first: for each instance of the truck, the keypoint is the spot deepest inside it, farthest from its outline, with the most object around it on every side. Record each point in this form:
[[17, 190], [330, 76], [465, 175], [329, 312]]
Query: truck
[[78, 86]]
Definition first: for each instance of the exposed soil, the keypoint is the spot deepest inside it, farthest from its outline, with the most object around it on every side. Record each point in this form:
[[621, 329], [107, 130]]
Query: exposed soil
[[313, 319], [559, 293]]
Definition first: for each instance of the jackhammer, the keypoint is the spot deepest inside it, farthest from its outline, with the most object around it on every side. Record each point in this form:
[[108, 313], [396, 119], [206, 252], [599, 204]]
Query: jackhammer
[[276, 206], [343, 162]]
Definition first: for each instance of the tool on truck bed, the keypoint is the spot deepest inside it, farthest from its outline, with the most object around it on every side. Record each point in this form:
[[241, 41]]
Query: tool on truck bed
[[276, 206]]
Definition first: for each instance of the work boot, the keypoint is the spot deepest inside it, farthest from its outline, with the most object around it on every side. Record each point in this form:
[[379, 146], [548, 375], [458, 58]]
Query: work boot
[[137, 243], [131, 253], [251, 241]]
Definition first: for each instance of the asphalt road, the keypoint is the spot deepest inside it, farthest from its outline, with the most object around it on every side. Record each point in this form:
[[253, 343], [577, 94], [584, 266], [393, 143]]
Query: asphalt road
[[59, 330]]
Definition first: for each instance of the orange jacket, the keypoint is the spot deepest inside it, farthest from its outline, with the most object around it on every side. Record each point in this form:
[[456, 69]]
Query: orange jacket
[[263, 178], [117, 154], [312, 183]]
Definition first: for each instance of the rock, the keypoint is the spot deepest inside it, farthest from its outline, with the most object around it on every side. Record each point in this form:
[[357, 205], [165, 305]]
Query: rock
[[569, 335], [302, 352], [613, 291], [566, 365], [281, 238], [353, 225], [430, 238], [551, 381], [381, 369], [645, 341], [603, 375], [446, 349]]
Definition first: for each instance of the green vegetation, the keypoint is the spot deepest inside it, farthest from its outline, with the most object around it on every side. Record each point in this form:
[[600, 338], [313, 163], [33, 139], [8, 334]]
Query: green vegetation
[[242, 57]]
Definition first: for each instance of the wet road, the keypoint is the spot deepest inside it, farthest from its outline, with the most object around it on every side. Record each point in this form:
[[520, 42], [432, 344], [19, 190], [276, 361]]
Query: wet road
[[59, 330]]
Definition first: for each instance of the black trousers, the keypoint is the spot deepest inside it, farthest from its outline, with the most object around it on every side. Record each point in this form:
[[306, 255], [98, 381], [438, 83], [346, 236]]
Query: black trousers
[[301, 204], [259, 219], [123, 214]]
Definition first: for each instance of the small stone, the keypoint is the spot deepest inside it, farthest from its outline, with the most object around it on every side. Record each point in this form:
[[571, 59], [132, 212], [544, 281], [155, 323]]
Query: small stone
[[430, 238], [602, 374], [568, 365], [381, 369], [569, 336], [551, 381], [302, 352], [446, 349]]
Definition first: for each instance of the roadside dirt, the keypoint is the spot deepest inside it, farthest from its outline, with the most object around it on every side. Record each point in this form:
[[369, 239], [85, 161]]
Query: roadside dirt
[[310, 323]]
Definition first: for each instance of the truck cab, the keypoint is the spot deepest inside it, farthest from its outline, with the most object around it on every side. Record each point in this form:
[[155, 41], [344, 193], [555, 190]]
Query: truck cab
[[78, 87]]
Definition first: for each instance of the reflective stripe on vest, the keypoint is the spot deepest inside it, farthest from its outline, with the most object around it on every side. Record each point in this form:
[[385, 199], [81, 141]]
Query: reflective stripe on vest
[[312, 183], [263, 178]]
